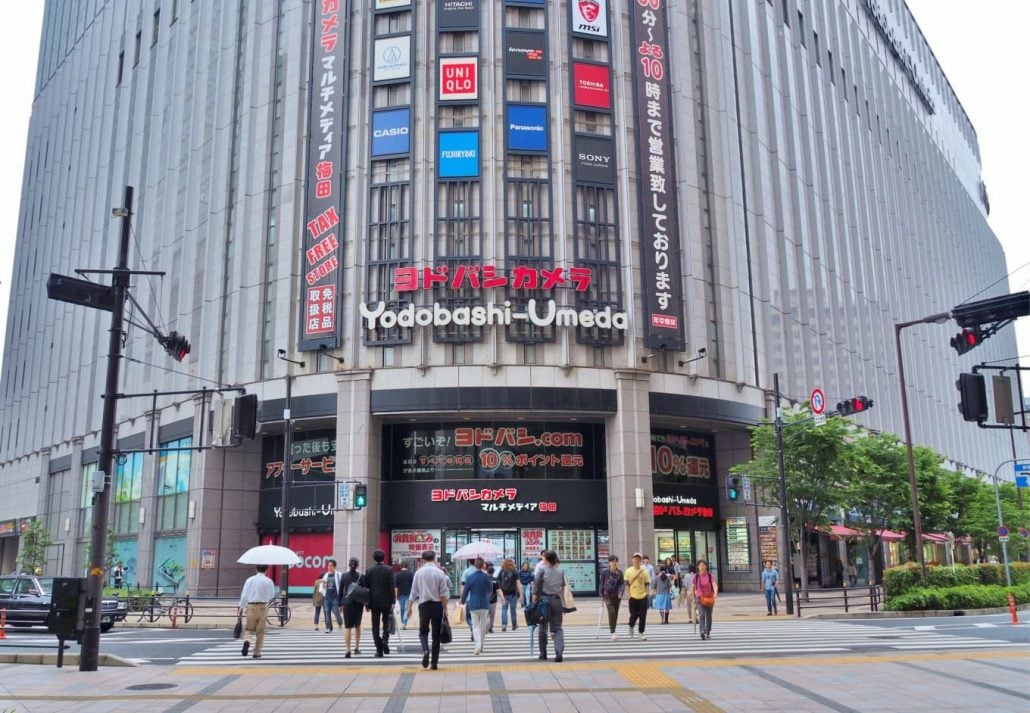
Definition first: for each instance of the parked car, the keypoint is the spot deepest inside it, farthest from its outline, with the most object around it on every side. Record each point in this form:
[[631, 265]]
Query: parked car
[[27, 601]]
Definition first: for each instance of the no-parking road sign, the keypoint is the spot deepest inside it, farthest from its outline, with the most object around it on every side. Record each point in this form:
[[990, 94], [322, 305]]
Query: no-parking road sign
[[817, 401]]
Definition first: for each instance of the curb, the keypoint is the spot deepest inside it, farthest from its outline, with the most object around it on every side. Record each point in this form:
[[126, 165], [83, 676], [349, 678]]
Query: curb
[[915, 613], [69, 660]]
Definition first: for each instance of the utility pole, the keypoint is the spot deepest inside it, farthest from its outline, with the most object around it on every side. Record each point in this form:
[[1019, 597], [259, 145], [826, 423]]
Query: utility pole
[[284, 533], [89, 657], [788, 554]]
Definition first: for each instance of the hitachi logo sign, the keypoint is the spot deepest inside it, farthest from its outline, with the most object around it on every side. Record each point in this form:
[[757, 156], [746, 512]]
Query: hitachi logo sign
[[383, 133]]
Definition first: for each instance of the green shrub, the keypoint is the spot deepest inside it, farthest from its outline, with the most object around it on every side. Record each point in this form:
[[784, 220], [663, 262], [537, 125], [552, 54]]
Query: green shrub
[[968, 596], [898, 581]]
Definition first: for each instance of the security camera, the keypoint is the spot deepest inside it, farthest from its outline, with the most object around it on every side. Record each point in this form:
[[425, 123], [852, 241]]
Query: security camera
[[702, 351], [281, 353]]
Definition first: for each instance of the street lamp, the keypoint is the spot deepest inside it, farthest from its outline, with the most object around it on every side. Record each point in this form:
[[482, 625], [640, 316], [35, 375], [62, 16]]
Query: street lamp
[[1001, 522], [284, 532], [939, 318]]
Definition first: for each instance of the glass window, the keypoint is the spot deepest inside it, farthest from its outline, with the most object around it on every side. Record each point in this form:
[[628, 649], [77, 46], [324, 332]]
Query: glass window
[[173, 484]]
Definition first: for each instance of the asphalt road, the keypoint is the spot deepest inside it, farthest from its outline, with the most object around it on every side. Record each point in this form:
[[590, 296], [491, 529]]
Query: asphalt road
[[993, 626]]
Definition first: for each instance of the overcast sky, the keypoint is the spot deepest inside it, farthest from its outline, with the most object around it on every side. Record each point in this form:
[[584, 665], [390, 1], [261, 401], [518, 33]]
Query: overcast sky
[[981, 45]]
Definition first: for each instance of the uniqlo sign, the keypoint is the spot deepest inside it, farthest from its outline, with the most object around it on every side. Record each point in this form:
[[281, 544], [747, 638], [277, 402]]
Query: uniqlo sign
[[592, 85], [459, 78]]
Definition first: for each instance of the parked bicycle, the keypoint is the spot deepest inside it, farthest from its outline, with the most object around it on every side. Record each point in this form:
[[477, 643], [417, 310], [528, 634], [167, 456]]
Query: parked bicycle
[[181, 608], [278, 613]]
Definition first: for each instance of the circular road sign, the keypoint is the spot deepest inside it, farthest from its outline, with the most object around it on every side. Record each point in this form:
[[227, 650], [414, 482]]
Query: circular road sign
[[1003, 531], [817, 401], [1023, 532]]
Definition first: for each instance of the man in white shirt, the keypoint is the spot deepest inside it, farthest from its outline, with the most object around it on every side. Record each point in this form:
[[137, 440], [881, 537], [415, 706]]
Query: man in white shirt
[[258, 591], [430, 588]]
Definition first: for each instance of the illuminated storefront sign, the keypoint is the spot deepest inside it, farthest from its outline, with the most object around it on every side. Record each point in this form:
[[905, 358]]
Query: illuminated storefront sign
[[661, 276], [457, 14], [525, 52], [686, 494], [392, 4], [527, 128], [589, 17], [326, 157], [392, 59], [591, 85], [459, 78], [459, 154], [312, 475], [594, 159], [391, 132]]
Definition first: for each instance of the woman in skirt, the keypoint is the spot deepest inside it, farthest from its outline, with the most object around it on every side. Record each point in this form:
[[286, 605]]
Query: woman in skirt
[[663, 593]]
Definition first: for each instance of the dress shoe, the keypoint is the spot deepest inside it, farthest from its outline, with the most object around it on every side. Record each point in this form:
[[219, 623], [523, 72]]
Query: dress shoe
[[246, 648], [347, 655], [542, 657], [379, 654], [425, 660], [434, 667], [558, 658]]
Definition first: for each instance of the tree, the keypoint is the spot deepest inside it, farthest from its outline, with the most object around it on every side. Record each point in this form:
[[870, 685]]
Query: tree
[[877, 492], [34, 542], [815, 465]]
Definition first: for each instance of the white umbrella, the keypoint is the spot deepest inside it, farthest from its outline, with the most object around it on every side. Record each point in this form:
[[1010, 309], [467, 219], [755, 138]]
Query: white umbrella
[[487, 550], [270, 554]]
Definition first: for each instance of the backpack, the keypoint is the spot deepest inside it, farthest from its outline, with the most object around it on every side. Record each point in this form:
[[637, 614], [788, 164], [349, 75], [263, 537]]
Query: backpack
[[507, 579]]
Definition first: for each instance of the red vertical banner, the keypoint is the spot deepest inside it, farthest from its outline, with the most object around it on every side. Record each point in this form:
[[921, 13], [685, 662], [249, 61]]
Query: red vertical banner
[[324, 211], [661, 276]]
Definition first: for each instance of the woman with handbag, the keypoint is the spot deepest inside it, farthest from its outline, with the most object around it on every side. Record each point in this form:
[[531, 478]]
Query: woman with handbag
[[352, 607], [549, 584], [706, 591]]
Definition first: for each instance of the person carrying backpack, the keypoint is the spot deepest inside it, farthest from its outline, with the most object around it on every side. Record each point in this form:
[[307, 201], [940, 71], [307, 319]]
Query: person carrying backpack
[[613, 586], [508, 581]]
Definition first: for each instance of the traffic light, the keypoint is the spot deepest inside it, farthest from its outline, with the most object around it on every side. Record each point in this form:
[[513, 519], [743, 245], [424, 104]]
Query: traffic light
[[967, 340], [244, 416], [733, 489], [360, 496], [176, 346], [972, 391], [858, 404]]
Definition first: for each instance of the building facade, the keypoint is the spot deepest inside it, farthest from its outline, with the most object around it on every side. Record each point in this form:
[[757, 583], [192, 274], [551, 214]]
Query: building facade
[[540, 261]]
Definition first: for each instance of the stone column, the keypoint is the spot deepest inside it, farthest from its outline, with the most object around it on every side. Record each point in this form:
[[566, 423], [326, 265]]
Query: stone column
[[628, 435], [70, 511], [358, 435]]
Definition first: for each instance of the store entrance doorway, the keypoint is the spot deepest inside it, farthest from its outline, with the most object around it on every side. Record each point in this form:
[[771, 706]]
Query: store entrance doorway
[[504, 540], [689, 545]]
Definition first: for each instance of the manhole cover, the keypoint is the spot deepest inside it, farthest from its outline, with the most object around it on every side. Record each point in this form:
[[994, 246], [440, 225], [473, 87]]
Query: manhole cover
[[151, 686]]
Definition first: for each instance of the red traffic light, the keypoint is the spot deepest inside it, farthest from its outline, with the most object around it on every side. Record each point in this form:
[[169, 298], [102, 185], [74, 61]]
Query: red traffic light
[[176, 345], [854, 405], [967, 340]]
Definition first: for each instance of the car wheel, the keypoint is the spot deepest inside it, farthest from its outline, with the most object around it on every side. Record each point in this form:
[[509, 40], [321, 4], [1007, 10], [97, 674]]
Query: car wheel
[[106, 626]]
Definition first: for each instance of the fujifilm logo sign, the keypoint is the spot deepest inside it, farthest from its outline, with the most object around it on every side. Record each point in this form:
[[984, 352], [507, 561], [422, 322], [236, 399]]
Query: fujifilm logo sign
[[396, 131], [539, 314]]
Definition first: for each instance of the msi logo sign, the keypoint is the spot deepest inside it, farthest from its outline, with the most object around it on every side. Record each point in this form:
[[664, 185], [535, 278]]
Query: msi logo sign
[[589, 9], [590, 17]]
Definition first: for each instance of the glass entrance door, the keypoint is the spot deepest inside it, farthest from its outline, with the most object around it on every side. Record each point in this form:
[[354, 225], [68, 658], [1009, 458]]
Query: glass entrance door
[[706, 548]]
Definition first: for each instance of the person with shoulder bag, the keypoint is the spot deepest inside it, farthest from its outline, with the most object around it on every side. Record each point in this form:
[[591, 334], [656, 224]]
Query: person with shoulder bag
[[508, 581], [549, 584], [706, 590], [352, 606], [318, 599], [613, 586], [382, 589]]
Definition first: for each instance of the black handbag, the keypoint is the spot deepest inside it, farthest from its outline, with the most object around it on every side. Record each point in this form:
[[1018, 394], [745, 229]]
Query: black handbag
[[356, 594], [237, 631], [445, 631]]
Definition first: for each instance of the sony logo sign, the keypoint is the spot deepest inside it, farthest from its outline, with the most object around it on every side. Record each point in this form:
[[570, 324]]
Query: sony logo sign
[[397, 131], [595, 158]]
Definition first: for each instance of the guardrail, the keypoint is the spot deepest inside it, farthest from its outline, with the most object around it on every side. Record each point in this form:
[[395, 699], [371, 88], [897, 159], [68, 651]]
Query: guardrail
[[868, 598], [164, 610]]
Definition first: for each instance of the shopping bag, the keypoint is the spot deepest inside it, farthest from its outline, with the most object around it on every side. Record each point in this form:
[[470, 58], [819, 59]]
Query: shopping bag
[[568, 603], [459, 615]]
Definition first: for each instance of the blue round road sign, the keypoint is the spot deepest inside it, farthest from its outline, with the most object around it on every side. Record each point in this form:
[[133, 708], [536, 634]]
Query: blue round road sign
[[1003, 531]]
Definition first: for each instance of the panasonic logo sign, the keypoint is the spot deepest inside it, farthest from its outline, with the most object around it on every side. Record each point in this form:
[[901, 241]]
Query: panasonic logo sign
[[397, 131], [526, 127]]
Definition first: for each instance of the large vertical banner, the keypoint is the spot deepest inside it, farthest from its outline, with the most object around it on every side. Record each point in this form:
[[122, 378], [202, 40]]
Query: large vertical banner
[[327, 154], [661, 280]]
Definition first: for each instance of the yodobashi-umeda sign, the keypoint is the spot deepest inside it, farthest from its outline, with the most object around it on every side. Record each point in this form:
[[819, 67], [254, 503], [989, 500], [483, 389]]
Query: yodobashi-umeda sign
[[542, 313], [660, 272]]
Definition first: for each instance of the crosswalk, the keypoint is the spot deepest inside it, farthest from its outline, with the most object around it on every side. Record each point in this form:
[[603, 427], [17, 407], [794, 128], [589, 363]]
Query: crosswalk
[[730, 638]]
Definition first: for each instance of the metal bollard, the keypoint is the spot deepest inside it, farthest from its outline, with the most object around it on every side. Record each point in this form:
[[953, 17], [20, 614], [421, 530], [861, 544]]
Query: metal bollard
[[1012, 609], [3, 623]]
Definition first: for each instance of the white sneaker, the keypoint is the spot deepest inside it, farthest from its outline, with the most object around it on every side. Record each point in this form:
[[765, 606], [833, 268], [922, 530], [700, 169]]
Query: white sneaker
[[631, 633], [643, 636], [615, 637]]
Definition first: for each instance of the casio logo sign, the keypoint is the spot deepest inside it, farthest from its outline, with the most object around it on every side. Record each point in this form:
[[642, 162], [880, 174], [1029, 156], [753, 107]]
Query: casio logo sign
[[383, 133]]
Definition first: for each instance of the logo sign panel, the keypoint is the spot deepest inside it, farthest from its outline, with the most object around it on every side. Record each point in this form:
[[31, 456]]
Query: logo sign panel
[[391, 132], [392, 4], [589, 17], [527, 128], [324, 192], [457, 14], [459, 154], [660, 274], [459, 78], [392, 59], [525, 54], [591, 85], [594, 158]]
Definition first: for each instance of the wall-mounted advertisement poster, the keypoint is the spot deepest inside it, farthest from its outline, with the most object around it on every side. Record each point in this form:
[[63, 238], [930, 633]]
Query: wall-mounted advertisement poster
[[594, 159], [591, 85], [589, 17], [457, 15], [527, 127], [392, 59], [391, 132], [524, 50], [459, 78], [459, 154]]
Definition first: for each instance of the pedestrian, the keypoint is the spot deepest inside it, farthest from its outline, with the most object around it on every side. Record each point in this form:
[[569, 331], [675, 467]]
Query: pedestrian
[[770, 579], [495, 597], [650, 578], [353, 610], [475, 595], [318, 598], [403, 592], [430, 587], [838, 574], [639, 585], [469, 571], [382, 587], [526, 580], [119, 574], [333, 588], [670, 569], [613, 585], [663, 594], [257, 592], [852, 575], [706, 591], [688, 586], [508, 581], [549, 584]]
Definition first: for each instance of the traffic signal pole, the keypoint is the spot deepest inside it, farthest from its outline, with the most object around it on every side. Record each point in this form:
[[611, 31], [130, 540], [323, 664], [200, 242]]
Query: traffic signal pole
[[284, 533], [89, 656], [788, 554]]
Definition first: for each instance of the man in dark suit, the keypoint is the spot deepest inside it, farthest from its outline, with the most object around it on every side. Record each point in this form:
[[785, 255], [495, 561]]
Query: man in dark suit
[[381, 595]]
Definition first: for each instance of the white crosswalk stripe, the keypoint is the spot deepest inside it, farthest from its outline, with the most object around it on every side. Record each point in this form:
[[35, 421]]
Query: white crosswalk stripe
[[741, 638]]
